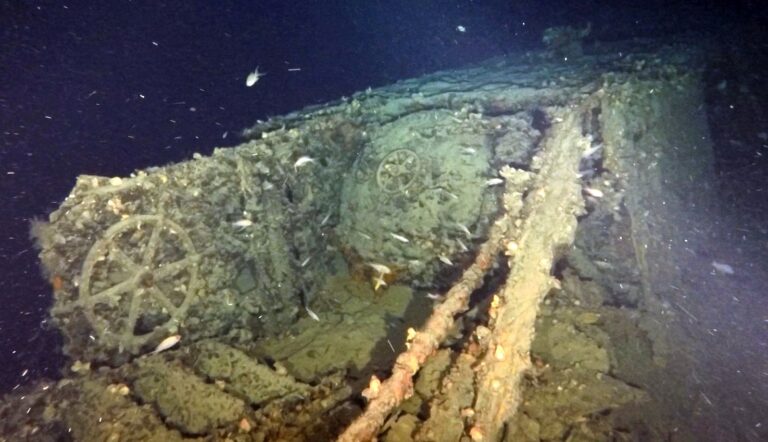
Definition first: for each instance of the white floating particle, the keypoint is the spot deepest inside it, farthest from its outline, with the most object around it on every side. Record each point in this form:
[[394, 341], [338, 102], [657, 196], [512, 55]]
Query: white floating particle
[[722, 268]]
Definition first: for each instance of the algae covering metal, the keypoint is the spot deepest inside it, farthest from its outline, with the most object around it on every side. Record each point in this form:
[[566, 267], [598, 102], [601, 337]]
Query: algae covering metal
[[417, 197], [233, 244], [228, 250], [210, 247]]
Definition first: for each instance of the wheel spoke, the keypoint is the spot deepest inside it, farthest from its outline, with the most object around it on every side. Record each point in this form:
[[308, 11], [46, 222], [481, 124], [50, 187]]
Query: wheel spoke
[[162, 299], [133, 314], [123, 259], [121, 287], [165, 257], [172, 268], [154, 238]]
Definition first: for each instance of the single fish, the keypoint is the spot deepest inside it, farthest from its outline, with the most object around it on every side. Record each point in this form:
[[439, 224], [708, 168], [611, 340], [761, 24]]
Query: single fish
[[301, 162], [588, 152], [380, 268], [311, 314], [445, 260], [167, 343], [450, 194], [305, 262], [591, 191], [243, 223], [435, 296], [464, 229], [400, 238], [494, 181], [378, 282], [463, 246], [469, 150], [254, 77]]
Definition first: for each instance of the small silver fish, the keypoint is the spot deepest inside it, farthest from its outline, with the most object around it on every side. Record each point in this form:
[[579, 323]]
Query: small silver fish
[[493, 181], [378, 282], [435, 296], [311, 314], [450, 194], [243, 223], [167, 343], [305, 262], [254, 77], [469, 150], [380, 268], [400, 238], [463, 246], [464, 229], [302, 161], [588, 152], [591, 191], [445, 260]]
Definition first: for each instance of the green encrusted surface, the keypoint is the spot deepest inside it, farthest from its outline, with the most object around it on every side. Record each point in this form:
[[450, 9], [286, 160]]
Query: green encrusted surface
[[242, 375]]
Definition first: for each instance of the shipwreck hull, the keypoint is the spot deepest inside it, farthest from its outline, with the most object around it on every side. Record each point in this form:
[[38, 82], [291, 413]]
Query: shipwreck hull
[[588, 164]]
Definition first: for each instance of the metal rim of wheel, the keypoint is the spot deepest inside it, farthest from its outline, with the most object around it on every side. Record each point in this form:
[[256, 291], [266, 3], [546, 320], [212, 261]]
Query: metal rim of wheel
[[142, 280], [397, 171]]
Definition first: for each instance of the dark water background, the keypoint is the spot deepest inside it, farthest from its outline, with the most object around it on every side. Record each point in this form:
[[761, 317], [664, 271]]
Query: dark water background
[[109, 87]]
